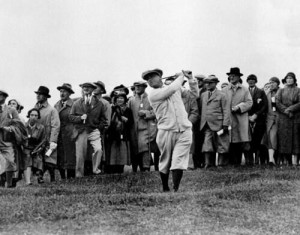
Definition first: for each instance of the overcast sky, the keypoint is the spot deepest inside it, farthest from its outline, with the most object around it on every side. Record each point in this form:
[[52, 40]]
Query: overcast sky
[[45, 42]]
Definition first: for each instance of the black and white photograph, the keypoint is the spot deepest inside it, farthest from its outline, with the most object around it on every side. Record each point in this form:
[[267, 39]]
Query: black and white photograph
[[149, 117]]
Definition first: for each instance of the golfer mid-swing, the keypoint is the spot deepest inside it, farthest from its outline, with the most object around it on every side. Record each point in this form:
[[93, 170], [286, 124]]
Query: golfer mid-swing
[[174, 137]]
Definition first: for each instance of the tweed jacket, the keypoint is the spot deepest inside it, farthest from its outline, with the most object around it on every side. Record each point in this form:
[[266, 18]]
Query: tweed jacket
[[96, 118], [215, 110]]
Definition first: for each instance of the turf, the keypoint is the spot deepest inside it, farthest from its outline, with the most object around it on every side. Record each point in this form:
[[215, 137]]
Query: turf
[[221, 201]]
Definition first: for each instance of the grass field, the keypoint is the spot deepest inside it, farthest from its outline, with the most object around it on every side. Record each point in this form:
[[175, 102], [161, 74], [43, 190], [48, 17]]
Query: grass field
[[221, 201]]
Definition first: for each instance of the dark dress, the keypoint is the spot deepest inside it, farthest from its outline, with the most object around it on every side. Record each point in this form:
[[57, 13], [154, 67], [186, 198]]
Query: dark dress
[[119, 137]]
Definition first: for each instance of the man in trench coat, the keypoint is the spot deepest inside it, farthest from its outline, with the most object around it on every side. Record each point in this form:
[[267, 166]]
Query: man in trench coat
[[240, 102], [144, 128], [50, 120], [66, 159]]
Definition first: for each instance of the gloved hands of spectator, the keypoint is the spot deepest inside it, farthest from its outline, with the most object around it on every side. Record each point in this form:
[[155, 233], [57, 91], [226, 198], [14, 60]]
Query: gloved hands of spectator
[[236, 109], [225, 129], [252, 118], [53, 145], [124, 119]]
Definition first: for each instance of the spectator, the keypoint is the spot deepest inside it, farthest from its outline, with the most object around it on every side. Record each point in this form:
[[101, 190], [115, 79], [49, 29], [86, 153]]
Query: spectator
[[119, 133], [270, 137], [50, 120], [215, 117], [88, 116], [240, 102], [288, 105], [143, 129], [66, 159], [257, 119], [34, 147]]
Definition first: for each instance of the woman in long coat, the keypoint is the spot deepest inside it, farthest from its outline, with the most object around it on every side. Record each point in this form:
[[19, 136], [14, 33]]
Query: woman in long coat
[[34, 146], [270, 137], [288, 104], [119, 133]]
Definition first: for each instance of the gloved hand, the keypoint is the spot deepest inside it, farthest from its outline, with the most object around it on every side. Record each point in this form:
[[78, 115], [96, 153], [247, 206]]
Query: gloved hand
[[225, 128], [53, 145]]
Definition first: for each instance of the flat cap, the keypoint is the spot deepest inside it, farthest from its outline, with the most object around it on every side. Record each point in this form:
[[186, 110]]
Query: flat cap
[[200, 77], [211, 79], [88, 84], [145, 74]]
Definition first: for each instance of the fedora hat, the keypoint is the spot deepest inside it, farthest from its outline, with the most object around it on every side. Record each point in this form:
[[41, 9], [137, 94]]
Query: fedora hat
[[145, 74], [211, 79], [235, 71], [67, 87], [99, 83], [88, 84], [3, 92], [44, 91]]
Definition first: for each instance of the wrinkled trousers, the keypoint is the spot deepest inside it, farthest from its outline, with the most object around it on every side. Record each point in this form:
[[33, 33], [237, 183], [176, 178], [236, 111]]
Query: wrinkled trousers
[[174, 149], [81, 150]]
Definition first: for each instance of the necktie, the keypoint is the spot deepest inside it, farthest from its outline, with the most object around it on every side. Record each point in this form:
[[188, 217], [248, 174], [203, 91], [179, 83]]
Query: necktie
[[251, 91], [209, 94]]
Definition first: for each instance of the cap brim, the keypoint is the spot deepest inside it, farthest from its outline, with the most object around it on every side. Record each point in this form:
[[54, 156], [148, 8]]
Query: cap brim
[[37, 92], [66, 88]]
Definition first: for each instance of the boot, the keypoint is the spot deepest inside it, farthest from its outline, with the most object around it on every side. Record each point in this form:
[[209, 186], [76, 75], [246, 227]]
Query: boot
[[9, 179], [62, 173], [52, 174], [207, 157], [176, 175], [70, 173], [221, 160], [165, 181], [2, 180]]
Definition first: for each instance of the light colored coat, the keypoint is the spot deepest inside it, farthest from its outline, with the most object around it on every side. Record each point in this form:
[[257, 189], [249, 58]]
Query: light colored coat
[[239, 121], [144, 128], [215, 110], [66, 145], [51, 122]]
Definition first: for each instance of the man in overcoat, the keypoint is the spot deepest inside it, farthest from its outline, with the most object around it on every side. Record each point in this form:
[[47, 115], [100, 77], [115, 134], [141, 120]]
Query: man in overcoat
[[144, 127], [50, 120], [257, 119], [174, 137], [89, 118], [7, 156], [66, 145], [215, 117], [240, 103]]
